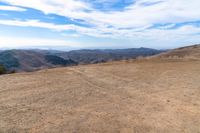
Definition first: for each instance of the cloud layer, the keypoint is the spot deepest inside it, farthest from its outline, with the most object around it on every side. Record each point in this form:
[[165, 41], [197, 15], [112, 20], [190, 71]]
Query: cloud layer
[[137, 19], [12, 8]]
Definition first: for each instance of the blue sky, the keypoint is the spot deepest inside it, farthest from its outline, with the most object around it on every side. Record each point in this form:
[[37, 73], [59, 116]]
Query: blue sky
[[75, 24]]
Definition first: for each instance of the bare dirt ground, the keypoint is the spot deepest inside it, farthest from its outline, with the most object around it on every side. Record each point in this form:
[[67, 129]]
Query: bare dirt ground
[[125, 97]]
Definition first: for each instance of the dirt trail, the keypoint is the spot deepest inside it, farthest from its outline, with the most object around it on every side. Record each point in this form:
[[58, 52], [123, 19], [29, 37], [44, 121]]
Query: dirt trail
[[127, 97]]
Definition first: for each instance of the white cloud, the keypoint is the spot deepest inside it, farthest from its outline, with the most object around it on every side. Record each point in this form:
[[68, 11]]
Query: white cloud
[[16, 42], [51, 26], [12, 8], [139, 33], [167, 11], [37, 23], [133, 22]]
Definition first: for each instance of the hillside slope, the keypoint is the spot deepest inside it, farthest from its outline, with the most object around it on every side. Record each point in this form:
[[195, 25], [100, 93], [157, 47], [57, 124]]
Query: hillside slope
[[184, 53], [140, 96], [29, 60]]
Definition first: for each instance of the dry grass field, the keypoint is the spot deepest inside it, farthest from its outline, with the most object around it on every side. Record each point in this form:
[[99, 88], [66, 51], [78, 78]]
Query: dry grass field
[[137, 96]]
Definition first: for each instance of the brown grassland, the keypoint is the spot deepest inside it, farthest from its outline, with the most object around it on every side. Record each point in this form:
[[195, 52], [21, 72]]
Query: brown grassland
[[140, 96]]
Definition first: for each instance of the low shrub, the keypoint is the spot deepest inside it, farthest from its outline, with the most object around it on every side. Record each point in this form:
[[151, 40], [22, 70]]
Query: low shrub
[[2, 69]]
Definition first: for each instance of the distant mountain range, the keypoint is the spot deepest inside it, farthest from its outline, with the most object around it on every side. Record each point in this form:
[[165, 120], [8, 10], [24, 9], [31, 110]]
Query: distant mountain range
[[31, 60], [99, 56]]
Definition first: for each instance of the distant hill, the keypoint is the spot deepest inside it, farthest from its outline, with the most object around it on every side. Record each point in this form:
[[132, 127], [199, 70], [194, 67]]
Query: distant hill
[[8, 59], [55, 60], [30, 60], [99, 56], [188, 52]]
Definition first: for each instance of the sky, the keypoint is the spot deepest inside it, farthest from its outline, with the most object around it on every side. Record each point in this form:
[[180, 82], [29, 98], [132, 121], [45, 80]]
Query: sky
[[75, 24]]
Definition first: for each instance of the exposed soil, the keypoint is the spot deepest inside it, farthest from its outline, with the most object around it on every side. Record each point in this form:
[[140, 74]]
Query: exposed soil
[[126, 97]]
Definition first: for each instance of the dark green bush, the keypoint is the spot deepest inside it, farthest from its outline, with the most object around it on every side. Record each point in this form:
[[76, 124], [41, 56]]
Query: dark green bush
[[12, 71], [2, 69]]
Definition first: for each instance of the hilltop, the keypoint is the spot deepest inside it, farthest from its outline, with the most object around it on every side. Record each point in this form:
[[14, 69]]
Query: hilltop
[[184, 53], [157, 94]]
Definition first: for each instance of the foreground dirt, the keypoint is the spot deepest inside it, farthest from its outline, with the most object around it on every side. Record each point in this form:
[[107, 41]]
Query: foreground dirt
[[126, 97]]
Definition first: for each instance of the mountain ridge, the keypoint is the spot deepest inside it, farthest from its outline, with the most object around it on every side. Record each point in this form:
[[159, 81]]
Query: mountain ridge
[[31, 60]]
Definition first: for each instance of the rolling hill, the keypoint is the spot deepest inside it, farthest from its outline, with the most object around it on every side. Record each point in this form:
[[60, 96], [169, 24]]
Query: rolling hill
[[99, 56], [155, 95], [31, 60], [184, 53]]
